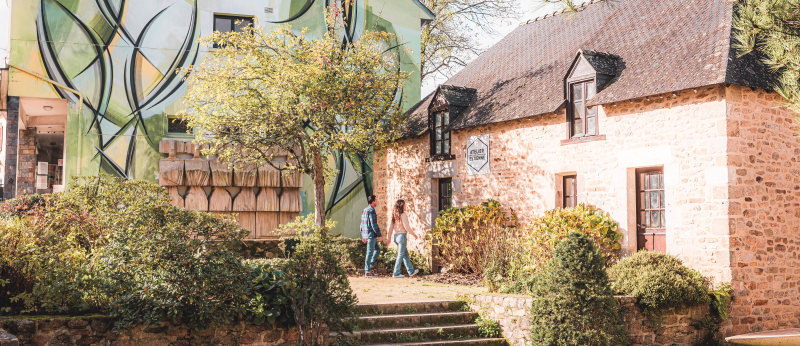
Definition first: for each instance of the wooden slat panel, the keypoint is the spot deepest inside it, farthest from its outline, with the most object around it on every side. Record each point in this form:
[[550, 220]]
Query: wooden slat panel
[[268, 176], [176, 198], [196, 199], [291, 179], [268, 200], [291, 201], [245, 175], [221, 173], [245, 200], [220, 200], [198, 172], [165, 146], [266, 223], [170, 172], [288, 217], [247, 220]]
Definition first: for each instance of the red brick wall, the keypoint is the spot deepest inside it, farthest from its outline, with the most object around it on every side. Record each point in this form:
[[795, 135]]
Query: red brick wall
[[764, 156]]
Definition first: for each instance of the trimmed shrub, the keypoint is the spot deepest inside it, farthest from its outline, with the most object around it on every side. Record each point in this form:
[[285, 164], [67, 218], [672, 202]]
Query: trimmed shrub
[[488, 328], [573, 302], [467, 238], [658, 281]]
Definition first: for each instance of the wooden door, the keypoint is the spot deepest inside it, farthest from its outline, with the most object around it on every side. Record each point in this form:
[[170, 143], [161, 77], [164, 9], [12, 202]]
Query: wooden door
[[651, 228]]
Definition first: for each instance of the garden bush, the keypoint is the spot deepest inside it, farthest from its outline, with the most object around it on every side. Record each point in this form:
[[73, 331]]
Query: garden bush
[[532, 246], [658, 281], [268, 301], [546, 231], [573, 302], [317, 288], [467, 238]]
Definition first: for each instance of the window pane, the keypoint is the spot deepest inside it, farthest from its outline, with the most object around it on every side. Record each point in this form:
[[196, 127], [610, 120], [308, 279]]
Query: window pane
[[438, 133], [590, 90], [662, 223], [577, 92], [241, 23], [591, 125], [222, 24], [438, 119], [446, 117], [438, 147], [446, 135], [446, 147], [654, 200], [577, 127]]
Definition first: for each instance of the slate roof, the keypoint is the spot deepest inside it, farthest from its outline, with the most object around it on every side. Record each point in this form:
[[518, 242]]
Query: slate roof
[[661, 45]]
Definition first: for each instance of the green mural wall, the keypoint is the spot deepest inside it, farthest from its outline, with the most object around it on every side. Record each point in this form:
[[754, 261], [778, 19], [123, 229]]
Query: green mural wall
[[121, 55]]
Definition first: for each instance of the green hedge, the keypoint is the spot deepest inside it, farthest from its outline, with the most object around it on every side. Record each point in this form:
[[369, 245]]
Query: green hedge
[[659, 281]]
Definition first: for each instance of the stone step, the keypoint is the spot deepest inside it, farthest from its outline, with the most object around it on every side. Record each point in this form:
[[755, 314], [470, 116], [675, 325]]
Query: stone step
[[481, 341], [411, 308], [416, 320], [410, 335]]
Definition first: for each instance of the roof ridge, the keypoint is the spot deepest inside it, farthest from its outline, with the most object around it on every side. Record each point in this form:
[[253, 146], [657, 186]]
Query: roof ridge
[[578, 8]]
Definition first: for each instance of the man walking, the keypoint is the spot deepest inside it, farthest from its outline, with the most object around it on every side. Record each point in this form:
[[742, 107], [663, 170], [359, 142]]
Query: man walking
[[370, 234]]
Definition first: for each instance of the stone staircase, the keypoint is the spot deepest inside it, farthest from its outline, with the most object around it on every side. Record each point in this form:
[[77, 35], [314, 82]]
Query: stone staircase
[[419, 323]]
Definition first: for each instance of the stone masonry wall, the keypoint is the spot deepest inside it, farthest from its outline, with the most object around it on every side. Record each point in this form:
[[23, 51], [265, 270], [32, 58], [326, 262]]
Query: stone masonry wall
[[99, 331], [26, 162], [677, 327], [764, 156], [685, 133]]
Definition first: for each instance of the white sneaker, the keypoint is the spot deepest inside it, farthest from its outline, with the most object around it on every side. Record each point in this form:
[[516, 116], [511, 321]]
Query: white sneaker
[[398, 276], [416, 271]]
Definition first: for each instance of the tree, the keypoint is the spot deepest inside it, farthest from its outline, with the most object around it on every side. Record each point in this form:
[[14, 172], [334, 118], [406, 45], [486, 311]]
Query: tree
[[452, 38], [771, 28], [262, 97]]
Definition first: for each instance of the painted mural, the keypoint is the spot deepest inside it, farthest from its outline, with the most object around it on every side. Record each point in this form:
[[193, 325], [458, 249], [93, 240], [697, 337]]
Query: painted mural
[[119, 57]]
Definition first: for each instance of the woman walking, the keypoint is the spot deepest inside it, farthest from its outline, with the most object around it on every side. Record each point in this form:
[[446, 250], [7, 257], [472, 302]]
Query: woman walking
[[398, 231]]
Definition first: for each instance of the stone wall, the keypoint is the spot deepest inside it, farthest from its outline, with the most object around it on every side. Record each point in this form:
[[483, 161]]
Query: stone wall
[[26, 162], [99, 331], [764, 156], [685, 133], [677, 327]]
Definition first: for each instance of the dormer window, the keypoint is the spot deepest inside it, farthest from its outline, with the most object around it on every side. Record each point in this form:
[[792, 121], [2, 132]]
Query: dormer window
[[588, 74], [582, 118], [440, 141]]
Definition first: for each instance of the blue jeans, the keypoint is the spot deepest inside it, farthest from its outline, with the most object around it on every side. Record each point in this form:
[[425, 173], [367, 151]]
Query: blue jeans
[[402, 255], [373, 251]]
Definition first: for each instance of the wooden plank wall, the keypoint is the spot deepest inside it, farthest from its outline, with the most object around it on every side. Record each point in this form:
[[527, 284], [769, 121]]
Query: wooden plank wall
[[261, 197]]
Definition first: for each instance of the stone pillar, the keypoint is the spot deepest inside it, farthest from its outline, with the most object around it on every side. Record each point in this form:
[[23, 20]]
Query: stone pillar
[[26, 162], [10, 135]]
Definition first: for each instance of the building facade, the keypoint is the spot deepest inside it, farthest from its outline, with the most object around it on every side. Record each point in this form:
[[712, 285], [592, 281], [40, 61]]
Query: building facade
[[641, 109], [92, 89]]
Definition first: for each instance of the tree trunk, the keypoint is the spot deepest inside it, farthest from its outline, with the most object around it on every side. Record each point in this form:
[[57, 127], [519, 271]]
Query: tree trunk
[[319, 192]]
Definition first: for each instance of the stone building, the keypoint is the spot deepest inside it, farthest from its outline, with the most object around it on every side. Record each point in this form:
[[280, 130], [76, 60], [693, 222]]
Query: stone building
[[641, 108]]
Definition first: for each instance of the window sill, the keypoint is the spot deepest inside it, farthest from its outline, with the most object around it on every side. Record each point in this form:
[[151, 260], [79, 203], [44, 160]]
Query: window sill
[[584, 139], [440, 158]]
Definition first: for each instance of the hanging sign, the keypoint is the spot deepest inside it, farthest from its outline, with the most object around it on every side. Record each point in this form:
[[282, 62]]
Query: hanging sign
[[478, 155]]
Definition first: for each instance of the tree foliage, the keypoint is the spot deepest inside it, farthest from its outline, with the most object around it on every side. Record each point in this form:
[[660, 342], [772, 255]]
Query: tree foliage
[[284, 99], [771, 28]]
